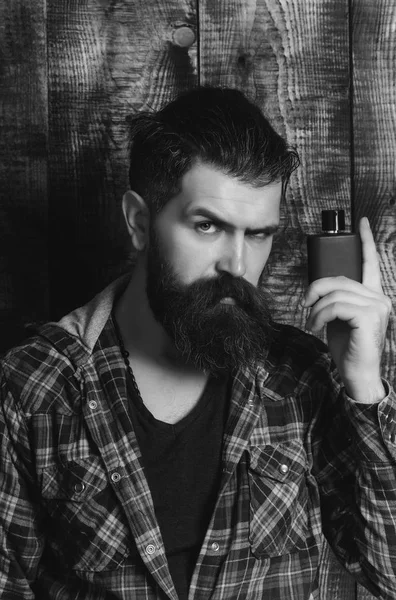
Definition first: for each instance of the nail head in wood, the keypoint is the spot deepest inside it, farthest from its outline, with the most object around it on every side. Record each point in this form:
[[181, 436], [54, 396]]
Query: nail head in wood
[[184, 36]]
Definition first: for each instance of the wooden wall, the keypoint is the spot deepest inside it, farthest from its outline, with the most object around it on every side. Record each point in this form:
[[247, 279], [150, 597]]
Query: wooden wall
[[72, 70]]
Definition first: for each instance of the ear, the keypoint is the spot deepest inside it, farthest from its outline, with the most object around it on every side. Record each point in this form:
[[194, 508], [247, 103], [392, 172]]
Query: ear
[[137, 218]]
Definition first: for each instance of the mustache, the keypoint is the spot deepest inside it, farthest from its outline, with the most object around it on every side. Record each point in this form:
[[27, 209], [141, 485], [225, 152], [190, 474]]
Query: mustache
[[208, 292]]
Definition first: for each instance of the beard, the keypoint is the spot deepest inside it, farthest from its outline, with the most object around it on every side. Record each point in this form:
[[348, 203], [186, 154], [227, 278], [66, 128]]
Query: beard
[[214, 337]]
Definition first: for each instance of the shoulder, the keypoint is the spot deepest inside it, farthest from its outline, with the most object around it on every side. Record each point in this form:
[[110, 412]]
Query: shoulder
[[289, 340], [298, 360], [38, 370]]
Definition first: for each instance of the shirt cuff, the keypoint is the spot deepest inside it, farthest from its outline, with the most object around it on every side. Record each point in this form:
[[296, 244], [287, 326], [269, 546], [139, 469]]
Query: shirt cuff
[[374, 425]]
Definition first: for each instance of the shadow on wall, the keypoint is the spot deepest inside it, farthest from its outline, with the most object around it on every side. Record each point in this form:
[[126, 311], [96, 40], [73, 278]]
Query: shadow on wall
[[23, 270]]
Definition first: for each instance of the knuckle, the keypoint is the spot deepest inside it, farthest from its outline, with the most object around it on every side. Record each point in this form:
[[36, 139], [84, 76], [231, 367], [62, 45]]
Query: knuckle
[[388, 303], [385, 306], [341, 278], [314, 285]]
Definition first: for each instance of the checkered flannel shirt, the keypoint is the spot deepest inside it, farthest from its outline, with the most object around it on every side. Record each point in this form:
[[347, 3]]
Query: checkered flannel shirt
[[299, 459]]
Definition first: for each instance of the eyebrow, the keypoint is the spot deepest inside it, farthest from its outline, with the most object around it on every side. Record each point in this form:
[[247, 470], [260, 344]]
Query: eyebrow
[[208, 214]]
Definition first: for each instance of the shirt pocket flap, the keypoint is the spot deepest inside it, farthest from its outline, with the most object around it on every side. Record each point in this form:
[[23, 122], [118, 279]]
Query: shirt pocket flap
[[281, 462], [75, 481]]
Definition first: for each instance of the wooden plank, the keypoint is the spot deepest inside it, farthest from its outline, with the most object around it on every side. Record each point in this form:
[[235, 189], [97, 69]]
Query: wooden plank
[[106, 60], [23, 168], [292, 58], [374, 118]]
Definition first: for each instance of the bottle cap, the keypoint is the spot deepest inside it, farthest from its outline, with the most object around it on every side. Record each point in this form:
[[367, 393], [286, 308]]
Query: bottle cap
[[333, 220]]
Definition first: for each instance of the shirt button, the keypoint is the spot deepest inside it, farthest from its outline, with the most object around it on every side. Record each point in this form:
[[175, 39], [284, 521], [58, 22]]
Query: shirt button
[[150, 549], [215, 547], [115, 478], [283, 469], [92, 404], [79, 487]]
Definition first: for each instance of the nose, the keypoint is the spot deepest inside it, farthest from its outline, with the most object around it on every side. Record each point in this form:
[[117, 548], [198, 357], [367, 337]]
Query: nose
[[232, 259]]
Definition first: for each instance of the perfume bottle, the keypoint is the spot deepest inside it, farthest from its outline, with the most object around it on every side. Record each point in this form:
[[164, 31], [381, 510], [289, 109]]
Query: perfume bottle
[[334, 251]]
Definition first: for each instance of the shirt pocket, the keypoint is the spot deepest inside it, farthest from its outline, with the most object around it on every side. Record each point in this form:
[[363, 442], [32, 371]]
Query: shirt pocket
[[278, 499], [86, 528]]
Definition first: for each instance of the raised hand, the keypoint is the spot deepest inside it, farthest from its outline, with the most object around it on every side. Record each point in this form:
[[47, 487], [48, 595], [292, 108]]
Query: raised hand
[[356, 315]]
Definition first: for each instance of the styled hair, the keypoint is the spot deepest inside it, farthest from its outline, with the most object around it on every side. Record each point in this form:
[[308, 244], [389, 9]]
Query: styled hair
[[217, 126]]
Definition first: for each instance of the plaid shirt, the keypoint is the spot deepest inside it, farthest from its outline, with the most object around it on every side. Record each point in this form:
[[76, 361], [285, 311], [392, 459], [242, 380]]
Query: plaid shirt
[[299, 459]]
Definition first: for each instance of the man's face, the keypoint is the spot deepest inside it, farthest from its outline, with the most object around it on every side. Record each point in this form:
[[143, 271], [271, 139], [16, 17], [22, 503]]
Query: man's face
[[208, 248]]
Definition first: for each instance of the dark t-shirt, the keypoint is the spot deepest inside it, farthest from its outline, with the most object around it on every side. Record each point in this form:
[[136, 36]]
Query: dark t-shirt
[[182, 464]]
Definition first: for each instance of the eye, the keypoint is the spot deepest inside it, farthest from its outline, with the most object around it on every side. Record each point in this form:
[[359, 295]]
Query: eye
[[259, 237], [207, 227]]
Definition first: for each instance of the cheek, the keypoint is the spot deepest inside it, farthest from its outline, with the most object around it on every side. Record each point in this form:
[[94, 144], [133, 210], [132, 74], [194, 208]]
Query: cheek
[[187, 257], [258, 258]]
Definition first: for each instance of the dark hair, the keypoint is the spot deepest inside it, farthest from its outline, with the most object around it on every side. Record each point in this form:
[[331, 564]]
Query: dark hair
[[218, 126]]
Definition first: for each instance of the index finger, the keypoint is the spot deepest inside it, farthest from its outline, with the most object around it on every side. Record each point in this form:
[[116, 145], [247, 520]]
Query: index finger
[[371, 274]]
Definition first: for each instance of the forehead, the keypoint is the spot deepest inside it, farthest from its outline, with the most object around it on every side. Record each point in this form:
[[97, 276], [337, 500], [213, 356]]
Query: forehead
[[204, 187]]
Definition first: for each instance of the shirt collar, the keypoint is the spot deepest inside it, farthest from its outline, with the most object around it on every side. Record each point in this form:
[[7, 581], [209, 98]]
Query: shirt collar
[[87, 322]]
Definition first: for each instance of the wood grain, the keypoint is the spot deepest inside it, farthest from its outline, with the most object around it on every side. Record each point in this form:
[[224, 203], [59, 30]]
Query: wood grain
[[106, 60], [374, 118], [23, 168], [374, 126], [292, 59]]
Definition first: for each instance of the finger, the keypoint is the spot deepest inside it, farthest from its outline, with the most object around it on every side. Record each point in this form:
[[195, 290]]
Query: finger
[[338, 297], [344, 311], [332, 301], [371, 268], [327, 285]]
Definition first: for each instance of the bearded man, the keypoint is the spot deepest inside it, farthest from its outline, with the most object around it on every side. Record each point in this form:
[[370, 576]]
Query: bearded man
[[169, 439]]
